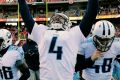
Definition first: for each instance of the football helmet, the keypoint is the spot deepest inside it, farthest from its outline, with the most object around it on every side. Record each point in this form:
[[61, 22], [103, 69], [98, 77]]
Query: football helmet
[[59, 21], [103, 35], [5, 38]]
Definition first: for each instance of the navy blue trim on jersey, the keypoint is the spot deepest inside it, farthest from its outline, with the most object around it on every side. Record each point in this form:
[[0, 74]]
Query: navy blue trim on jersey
[[27, 18], [3, 51], [83, 63], [90, 16], [103, 28]]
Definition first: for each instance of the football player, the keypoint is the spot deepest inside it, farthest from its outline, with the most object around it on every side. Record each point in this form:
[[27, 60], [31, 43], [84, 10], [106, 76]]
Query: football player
[[58, 43], [11, 60], [32, 58], [102, 44]]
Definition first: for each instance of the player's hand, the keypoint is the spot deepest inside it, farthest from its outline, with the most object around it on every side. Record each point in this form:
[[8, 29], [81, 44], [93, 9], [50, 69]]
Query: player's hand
[[97, 54]]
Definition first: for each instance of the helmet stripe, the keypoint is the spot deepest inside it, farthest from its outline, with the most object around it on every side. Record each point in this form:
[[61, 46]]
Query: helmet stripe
[[108, 29], [103, 28]]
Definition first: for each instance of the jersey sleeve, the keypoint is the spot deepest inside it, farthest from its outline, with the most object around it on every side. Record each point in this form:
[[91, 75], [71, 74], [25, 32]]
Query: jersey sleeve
[[117, 46], [19, 56], [116, 70], [38, 32], [81, 50], [20, 49], [16, 52], [76, 34]]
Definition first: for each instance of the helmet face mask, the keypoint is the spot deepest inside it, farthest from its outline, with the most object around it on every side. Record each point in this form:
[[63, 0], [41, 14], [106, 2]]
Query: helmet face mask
[[102, 44], [5, 39], [1, 41], [103, 35], [59, 21]]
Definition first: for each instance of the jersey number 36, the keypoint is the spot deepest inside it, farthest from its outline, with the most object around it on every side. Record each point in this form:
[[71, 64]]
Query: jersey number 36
[[6, 73]]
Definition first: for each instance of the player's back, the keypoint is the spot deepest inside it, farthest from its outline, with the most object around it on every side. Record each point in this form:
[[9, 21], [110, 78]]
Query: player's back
[[103, 67], [8, 64]]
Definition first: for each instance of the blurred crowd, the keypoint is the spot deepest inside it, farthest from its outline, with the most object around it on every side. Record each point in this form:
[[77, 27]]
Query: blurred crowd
[[109, 10], [72, 11], [14, 1]]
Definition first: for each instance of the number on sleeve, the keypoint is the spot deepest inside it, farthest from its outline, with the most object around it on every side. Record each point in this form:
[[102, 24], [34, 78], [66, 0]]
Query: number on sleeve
[[59, 48]]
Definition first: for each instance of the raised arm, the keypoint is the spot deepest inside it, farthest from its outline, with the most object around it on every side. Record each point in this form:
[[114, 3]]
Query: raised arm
[[26, 16], [89, 17]]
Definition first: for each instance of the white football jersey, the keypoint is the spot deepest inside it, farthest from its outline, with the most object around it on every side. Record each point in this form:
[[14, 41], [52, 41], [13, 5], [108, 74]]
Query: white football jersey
[[103, 66], [8, 69], [58, 51]]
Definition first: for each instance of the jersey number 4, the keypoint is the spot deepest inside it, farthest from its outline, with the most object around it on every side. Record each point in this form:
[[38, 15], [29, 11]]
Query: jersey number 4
[[6, 73], [59, 48]]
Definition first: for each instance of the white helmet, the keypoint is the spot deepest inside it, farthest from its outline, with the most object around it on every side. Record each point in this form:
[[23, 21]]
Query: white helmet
[[59, 21], [5, 38], [103, 35]]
